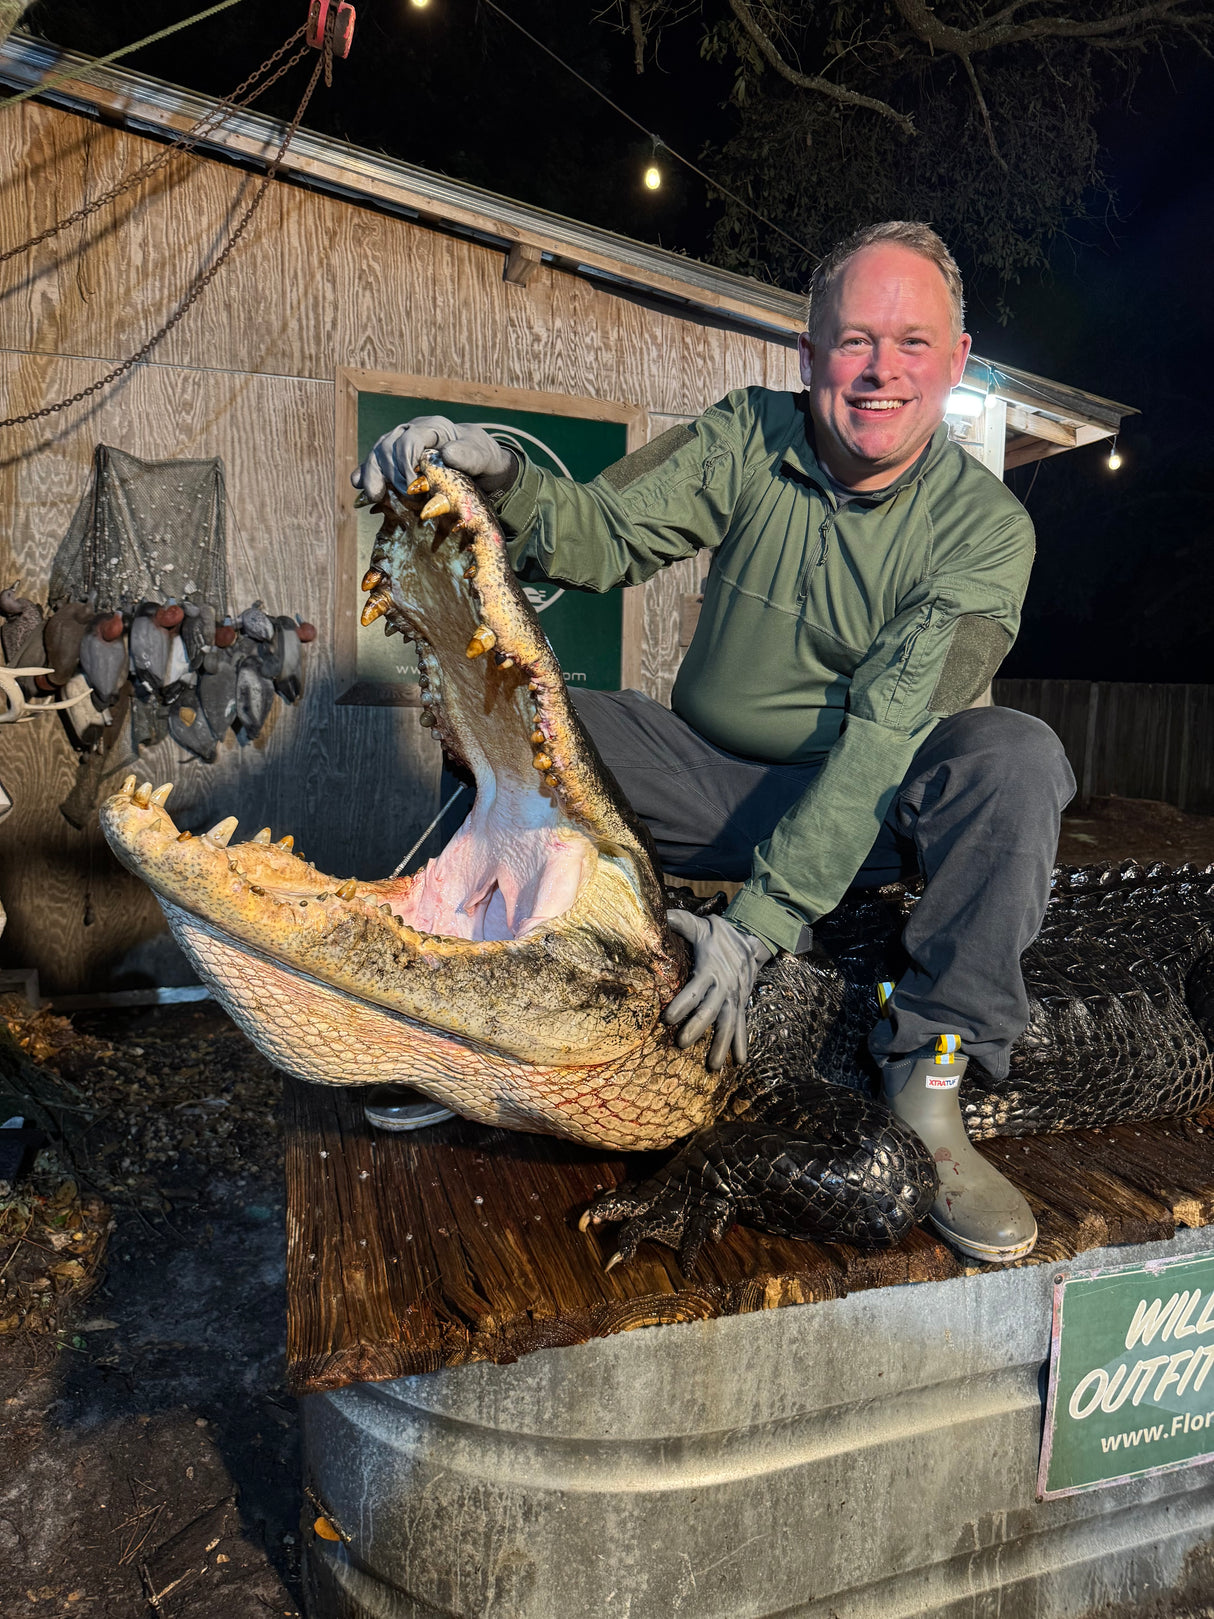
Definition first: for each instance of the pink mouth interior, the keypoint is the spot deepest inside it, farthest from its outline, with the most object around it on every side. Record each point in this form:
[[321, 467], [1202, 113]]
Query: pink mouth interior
[[514, 865]]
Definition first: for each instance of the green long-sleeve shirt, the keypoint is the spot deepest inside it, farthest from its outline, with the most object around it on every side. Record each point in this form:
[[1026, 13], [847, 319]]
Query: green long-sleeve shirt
[[832, 634]]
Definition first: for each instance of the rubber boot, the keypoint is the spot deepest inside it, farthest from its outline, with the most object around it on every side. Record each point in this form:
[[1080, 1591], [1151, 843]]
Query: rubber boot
[[399, 1107], [976, 1209]]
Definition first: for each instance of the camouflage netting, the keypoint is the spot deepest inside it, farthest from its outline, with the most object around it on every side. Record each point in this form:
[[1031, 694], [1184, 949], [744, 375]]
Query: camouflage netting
[[146, 529]]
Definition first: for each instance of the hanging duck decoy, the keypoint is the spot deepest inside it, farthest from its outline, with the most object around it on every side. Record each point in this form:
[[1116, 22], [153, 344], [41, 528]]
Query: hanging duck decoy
[[103, 657], [188, 725], [150, 644], [288, 678], [254, 697], [198, 629], [255, 621], [21, 638], [217, 687], [62, 634]]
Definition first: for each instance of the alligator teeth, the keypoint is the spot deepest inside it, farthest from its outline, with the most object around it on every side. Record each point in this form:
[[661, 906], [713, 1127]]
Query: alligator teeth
[[184, 837], [143, 794], [161, 796], [503, 660], [480, 642], [615, 1259], [221, 833], [419, 486], [439, 506], [285, 843], [542, 762], [261, 837], [538, 739], [387, 908], [376, 605], [348, 889], [372, 577], [128, 785], [553, 781]]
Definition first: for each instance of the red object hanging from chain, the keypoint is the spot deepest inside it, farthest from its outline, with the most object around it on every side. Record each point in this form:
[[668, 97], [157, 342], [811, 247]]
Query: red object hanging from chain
[[343, 17]]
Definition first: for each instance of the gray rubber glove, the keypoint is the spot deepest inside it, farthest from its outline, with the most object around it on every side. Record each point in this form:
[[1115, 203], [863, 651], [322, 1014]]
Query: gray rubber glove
[[393, 459], [726, 963]]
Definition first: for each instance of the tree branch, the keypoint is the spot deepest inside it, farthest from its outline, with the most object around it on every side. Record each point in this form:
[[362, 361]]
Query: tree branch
[[811, 81], [638, 35], [923, 22], [986, 114]]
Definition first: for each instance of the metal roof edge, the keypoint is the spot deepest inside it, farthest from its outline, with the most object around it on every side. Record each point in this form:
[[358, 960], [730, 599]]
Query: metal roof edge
[[150, 105]]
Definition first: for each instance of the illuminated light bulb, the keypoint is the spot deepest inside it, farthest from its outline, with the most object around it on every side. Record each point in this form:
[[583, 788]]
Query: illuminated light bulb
[[1114, 460], [653, 177], [991, 400], [964, 402], [419, 5]]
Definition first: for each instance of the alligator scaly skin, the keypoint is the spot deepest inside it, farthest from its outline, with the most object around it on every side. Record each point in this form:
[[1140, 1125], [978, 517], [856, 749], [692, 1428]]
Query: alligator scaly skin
[[1121, 1027]]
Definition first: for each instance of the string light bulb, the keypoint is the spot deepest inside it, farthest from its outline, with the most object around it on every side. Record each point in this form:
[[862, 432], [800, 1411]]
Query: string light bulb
[[992, 398], [1114, 459], [652, 177], [419, 5]]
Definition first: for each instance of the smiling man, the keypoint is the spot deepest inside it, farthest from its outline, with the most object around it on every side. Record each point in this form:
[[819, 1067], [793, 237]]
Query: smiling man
[[866, 582]]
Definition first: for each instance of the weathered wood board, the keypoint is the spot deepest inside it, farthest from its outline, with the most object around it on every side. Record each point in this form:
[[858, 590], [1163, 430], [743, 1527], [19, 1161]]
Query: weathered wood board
[[410, 1252], [317, 285]]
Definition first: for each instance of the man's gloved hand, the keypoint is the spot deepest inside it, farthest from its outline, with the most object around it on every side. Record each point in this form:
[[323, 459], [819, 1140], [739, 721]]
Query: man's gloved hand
[[726, 962], [393, 460]]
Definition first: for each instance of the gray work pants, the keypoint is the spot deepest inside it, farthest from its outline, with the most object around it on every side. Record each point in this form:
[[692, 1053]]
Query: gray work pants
[[976, 816]]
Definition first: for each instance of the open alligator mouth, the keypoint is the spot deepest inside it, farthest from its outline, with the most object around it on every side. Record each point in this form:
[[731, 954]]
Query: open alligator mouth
[[520, 975]]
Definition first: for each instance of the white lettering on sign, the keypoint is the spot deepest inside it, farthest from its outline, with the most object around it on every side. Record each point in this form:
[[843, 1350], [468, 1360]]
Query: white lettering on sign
[[1103, 1391]]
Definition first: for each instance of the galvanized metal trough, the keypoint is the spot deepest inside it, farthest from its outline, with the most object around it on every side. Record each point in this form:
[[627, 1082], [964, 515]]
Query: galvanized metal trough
[[872, 1457]]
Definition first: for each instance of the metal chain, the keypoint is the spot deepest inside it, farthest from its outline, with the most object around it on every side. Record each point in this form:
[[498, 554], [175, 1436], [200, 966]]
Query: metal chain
[[202, 281], [180, 143]]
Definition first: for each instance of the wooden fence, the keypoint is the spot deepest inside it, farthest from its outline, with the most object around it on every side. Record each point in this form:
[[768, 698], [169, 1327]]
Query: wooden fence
[[1132, 741]]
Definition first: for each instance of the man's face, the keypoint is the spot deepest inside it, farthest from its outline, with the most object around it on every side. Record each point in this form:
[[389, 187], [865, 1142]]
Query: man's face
[[880, 375]]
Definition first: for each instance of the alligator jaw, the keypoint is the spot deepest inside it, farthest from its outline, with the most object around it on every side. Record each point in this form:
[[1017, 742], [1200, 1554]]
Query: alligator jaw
[[535, 940]]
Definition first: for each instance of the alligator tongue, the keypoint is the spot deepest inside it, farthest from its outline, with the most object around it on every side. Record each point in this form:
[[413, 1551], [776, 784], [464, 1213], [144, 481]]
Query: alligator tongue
[[492, 691]]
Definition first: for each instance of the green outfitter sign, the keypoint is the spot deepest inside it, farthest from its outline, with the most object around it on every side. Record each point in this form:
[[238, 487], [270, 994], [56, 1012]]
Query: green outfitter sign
[[583, 629], [1131, 1375]]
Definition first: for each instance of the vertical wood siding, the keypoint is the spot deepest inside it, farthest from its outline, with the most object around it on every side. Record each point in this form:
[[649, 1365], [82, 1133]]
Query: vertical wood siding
[[248, 375], [1127, 740]]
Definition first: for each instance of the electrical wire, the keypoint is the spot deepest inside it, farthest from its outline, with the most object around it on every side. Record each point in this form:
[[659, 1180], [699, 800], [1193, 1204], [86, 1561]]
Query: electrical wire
[[649, 134], [103, 61]]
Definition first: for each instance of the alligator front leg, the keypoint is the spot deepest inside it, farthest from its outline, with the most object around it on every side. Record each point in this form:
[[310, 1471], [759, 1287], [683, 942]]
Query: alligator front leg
[[826, 1163]]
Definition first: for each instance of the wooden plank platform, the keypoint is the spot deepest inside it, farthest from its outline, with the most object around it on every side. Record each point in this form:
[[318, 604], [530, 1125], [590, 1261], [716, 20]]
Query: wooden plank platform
[[408, 1252]]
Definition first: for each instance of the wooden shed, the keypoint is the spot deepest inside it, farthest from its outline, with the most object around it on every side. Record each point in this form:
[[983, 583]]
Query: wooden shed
[[359, 277]]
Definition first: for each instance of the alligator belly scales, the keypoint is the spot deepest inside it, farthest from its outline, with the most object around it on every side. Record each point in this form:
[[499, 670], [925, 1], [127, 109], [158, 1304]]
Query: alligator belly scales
[[520, 976]]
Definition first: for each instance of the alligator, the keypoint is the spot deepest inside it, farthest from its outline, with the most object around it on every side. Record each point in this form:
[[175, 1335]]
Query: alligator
[[519, 977]]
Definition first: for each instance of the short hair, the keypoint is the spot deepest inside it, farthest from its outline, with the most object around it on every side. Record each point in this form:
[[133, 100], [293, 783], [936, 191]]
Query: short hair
[[920, 238]]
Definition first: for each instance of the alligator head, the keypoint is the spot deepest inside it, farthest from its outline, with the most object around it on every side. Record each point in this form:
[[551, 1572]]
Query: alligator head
[[519, 977]]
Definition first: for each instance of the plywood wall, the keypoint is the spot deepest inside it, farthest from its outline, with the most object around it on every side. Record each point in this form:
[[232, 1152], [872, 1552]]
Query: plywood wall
[[248, 375]]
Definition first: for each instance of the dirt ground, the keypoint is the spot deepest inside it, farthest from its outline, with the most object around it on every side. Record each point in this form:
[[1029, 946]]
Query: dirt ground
[[149, 1457]]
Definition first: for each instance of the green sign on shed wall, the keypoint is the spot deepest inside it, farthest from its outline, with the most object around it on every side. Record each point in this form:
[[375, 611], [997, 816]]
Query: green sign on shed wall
[[1131, 1374], [585, 630]]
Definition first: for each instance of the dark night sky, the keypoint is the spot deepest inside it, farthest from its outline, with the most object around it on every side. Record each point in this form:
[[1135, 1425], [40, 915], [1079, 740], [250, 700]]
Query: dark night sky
[[1122, 586]]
